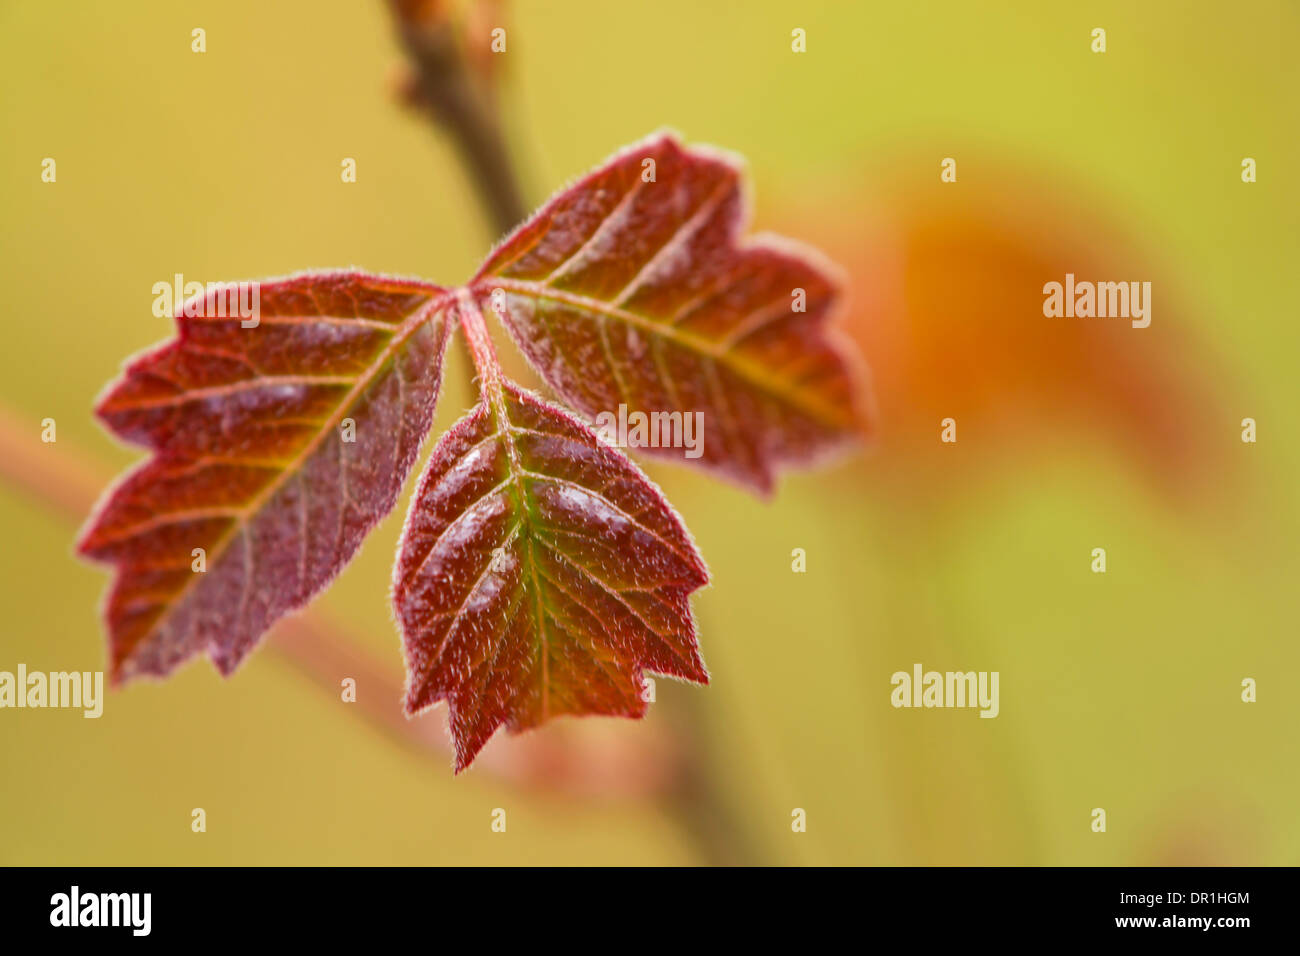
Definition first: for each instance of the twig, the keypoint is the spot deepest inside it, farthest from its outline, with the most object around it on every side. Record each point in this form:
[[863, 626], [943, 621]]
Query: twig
[[457, 100]]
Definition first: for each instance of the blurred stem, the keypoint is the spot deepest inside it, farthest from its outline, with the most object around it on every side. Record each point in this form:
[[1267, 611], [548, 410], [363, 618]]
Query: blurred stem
[[459, 102], [695, 800]]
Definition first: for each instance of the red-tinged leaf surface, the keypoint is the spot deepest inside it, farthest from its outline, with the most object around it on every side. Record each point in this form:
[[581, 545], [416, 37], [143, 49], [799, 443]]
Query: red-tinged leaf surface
[[623, 291], [539, 573], [250, 461]]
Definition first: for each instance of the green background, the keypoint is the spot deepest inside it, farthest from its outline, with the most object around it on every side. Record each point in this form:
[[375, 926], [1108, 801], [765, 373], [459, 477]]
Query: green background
[[1119, 691]]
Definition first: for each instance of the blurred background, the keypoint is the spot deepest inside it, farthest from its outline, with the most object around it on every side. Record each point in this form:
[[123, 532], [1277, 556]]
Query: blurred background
[[1119, 691]]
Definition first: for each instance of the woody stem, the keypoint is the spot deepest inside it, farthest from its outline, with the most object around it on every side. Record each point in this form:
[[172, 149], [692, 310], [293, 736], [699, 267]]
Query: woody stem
[[458, 102]]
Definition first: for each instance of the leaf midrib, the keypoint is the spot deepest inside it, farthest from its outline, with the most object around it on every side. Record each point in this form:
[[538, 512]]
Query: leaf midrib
[[718, 352]]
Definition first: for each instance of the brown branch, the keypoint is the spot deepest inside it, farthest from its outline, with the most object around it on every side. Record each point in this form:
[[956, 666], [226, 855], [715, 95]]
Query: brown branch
[[459, 100], [695, 799]]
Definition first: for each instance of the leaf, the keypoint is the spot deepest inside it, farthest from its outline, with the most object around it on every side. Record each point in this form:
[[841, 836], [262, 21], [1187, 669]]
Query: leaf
[[250, 460], [539, 572], [623, 291]]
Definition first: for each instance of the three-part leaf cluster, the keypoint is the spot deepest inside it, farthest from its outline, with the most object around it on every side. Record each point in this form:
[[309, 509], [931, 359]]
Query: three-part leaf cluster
[[540, 572]]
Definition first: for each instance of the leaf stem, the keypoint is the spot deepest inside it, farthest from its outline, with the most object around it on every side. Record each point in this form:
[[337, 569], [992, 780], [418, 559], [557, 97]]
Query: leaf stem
[[480, 343]]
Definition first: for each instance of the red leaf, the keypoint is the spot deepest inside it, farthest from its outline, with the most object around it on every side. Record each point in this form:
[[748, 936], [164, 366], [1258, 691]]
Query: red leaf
[[540, 571], [623, 291], [250, 462]]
